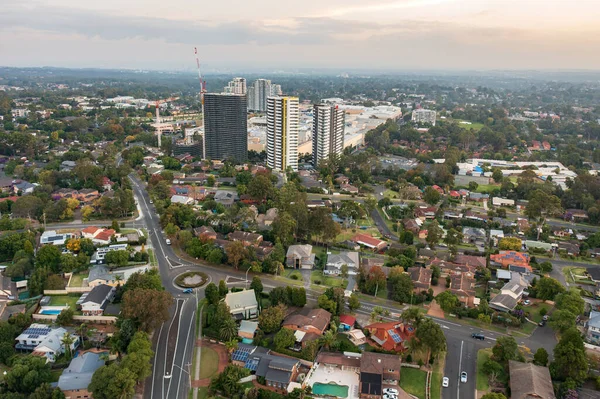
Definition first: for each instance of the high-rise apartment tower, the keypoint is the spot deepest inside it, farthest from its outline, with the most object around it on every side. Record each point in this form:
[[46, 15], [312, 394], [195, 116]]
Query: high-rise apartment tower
[[282, 132]]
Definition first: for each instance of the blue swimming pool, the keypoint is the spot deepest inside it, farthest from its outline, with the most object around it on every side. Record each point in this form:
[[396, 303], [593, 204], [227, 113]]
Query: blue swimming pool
[[46, 311], [247, 341]]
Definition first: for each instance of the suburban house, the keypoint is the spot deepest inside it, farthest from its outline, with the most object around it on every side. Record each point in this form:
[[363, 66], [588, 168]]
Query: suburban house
[[75, 379], [347, 322], [411, 225], [309, 324], [205, 233], [242, 304], [182, 199], [369, 242], [576, 215], [87, 195], [594, 274], [264, 221], [100, 254], [570, 248], [101, 274], [390, 335], [44, 341], [225, 198], [425, 212], [246, 238], [498, 201], [300, 257], [421, 278], [473, 235], [510, 258], [470, 260], [463, 286], [94, 303], [53, 237], [510, 294], [247, 330], [530, 381], [349, 188], [278, 371], [336, 261], [378, 371], [592, 328]]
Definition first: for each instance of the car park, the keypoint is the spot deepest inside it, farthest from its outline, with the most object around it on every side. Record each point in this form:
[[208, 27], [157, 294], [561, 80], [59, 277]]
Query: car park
[[478, 336], [446, 382], [463, 376]]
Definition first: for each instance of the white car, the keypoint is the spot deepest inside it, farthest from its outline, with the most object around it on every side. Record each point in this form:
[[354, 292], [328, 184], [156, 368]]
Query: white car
[[389, 396], [168, 241], [526, 302], [390, 391], [151, 202], [463, 376], [446, 382]]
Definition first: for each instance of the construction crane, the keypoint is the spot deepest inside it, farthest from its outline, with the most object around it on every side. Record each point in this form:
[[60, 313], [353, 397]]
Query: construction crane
[[202, 91], [159, 126]]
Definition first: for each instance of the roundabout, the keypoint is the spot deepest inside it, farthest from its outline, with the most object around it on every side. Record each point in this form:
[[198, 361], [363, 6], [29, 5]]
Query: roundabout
[[191, 279]]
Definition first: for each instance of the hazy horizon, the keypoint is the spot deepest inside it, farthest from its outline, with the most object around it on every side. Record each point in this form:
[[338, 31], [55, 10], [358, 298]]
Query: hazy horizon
[[265, 35]]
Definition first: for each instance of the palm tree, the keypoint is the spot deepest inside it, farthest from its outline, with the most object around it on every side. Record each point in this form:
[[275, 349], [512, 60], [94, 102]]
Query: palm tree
[[228, 330], [67, 340], [231, 345], [83, 331], [119, 278], [328, 339]]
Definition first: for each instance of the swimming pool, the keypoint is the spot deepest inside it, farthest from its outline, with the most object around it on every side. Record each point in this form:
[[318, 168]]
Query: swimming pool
[[331, 389], [247, 341], [48, 311]]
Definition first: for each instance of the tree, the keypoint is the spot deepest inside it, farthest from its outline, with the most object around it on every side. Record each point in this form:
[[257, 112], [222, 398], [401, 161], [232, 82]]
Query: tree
[[540, 357], [114, 381], [284, 339], [510, 244], [542, 205], [270, 319], [497, 175], [431, 196], [328, 339], [562, 320], [413, 316], [28, 373], [353, 302], [284, 227], [86, 212], [212, 294], [228, 330], [569, 358], [86, 246], [260, 187], [6, 352], [547, 288], [45, 391], [65, 317], [493, 395], [149, 280], [570, 301], [447, 301], [429, 335], [402, 285], [545, 267], [236, 253], [48, 257], [506, 349], [370, 203], [118, 258], [256, 285], [434, 234], [149, 307], [344, 271], [171, 230], [139, 364], [28, 206], [223, 290]]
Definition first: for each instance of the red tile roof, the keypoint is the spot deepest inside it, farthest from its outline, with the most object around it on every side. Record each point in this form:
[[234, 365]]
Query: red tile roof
[[105, 235], [368, 241], [347, 319], [90, 230]]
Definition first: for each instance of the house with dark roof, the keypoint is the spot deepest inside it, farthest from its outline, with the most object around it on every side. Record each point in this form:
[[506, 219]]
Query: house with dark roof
[[528, 381], [390, 336], [411, 225], [245, 237], [421, 278], [376, 371], [594, 274], [97, 299], [205, 233], [510, 294], [309, 324], [473, 235], [76, 378], [470, 260], [570, 248]]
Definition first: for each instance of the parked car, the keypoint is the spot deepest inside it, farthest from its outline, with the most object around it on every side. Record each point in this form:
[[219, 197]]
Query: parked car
[[390, 391], [545, 318], [389, 396], [463, 376], [168, 241], [526, 302], [478, 336], [542, 323], [445, 382], [151, 202]]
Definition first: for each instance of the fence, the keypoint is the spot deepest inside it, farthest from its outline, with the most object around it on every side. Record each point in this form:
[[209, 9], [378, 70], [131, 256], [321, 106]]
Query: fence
[[68, 290], [93, 319]]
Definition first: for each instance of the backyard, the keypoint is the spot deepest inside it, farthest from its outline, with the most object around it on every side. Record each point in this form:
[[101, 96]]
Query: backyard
[[77, 279], [62, 300], [413, 381]]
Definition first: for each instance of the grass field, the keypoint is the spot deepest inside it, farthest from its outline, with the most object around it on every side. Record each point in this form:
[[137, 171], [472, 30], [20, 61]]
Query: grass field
[[77, 279], [482, 380], [413, 381], [472, 125], [482, 188], [329, 281], [209, 362], [62, 300]]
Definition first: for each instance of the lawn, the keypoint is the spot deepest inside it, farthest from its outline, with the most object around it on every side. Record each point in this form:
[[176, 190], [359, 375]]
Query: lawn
[[482, 188], [534, 310], [209, 362], [436, 377], [472, 125], [482, 379], [329, 281], [77, 279], [62, 300], [347, 234], [413, 381], [571, 274], [152, 257]]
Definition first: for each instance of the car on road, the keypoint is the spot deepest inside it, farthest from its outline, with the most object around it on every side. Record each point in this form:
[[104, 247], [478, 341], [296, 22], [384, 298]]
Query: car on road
[[463, 376], [151, 202], [446, 382], [168, 241], [478, 336], [188, 291]]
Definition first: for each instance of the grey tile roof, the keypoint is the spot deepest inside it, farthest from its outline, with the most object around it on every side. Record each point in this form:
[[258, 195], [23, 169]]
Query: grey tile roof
[[98, 294], [79, 373]]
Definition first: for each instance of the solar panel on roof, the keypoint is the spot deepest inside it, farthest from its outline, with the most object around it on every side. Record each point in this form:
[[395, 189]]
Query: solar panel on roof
[[252, 364], [395, 336], [34, 336], [240, 356]]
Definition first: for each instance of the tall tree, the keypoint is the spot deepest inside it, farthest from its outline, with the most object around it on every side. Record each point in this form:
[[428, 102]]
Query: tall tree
[[270, 318], [149, 307], [506, 349], [434, 234], [113, 381], [236, 253], [429, 335], [569, 358]]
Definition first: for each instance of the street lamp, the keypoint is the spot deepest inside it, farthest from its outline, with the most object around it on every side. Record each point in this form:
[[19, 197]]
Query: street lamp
[[247, 270]]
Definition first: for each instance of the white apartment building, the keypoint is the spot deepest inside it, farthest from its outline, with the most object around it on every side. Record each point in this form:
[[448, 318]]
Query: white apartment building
[[327, 131], [424, 116], [282, 132], [236, 86], [19, 113]]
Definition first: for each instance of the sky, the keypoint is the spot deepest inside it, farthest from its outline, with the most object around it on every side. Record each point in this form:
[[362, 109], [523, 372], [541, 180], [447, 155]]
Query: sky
[[274, 35]]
